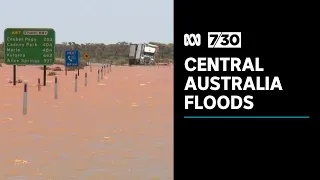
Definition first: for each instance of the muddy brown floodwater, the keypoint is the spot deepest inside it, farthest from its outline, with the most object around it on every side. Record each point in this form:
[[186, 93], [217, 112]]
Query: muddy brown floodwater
[[118, 128]]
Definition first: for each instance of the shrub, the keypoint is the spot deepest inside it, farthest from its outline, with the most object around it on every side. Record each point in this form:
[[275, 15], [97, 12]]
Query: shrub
[[19, 81], [56, 69], [47, 68], [71, 69], [75, 68], [59, 62], [121, 62], [52, 73]]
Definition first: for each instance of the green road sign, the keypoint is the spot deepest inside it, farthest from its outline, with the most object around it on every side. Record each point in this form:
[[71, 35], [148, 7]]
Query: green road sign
[[29, 46]]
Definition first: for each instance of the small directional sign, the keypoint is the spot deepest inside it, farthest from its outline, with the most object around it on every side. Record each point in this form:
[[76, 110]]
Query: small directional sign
[[86, 56], [71, 58]]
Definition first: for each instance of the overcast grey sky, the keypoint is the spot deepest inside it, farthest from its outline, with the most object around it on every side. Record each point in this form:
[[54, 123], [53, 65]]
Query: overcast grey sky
[[96, 21]]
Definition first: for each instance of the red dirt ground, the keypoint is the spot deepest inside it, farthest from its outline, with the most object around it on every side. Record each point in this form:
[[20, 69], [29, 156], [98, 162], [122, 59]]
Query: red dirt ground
[[120, 128]]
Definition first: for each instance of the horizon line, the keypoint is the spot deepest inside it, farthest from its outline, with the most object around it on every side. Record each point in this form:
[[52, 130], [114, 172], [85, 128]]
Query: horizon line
[[1, 42], [246, 117]]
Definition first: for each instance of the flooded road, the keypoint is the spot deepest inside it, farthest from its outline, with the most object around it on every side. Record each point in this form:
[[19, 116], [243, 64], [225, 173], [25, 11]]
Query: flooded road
[[119, 130]]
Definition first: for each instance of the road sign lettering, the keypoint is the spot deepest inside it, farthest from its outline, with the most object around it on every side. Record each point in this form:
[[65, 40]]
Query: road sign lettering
[[71, 58], [29, 46]]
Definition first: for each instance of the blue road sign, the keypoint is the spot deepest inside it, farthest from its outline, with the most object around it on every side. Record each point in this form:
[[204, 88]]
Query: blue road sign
[[71, 58]]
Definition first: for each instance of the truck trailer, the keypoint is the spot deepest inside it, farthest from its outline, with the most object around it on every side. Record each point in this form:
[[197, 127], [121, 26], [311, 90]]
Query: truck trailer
[[142, 54]]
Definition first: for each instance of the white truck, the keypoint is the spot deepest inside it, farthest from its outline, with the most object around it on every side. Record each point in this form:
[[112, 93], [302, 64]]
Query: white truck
[[142, 54]]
